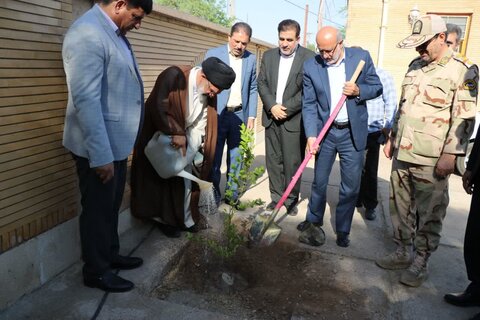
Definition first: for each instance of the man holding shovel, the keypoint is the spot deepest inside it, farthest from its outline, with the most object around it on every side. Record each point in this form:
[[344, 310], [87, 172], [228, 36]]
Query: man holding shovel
[[324, 84]]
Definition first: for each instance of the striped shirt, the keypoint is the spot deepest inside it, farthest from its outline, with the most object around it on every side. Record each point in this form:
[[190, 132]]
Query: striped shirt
[[381, 110]]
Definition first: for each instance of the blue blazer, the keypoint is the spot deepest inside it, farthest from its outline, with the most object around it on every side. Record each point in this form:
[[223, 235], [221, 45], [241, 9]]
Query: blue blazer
[[249, 82], [105, 91], [316, 95]]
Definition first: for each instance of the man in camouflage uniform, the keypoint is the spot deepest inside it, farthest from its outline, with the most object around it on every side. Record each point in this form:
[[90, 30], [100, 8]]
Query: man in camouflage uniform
[[435, 117]]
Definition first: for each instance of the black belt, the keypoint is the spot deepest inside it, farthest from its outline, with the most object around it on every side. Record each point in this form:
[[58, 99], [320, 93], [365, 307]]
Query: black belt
[[341, 125], [234, 109]]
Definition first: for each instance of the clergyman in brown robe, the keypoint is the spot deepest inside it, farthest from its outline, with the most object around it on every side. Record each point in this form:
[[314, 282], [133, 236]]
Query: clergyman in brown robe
[[182, 105]]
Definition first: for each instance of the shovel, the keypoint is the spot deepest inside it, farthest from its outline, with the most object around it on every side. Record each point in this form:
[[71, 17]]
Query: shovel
[[264, 231]]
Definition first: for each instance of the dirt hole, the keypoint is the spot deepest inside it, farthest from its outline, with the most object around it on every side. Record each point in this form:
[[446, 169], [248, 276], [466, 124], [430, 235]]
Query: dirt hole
[[276, 282]]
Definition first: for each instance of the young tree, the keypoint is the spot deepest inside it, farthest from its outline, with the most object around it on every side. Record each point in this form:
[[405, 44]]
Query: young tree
[[207, 9]]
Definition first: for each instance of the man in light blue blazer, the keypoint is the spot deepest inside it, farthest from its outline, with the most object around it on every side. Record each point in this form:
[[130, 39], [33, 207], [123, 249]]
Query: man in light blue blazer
[[236, 105], [325, 80], [103, 117]]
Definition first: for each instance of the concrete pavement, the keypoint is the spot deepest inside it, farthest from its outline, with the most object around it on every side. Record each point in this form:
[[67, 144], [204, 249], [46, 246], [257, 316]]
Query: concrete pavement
[[66, 298]]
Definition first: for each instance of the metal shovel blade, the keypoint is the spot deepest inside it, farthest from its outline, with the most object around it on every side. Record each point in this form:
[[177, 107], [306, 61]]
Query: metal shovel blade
[[264, 231], [270, 235]]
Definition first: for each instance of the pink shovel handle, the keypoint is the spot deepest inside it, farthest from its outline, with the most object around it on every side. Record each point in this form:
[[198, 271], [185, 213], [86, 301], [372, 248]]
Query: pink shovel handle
[[319, 139]]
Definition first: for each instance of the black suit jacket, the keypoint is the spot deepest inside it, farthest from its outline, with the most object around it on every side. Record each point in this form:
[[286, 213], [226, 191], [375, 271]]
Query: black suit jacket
[[292, 96]]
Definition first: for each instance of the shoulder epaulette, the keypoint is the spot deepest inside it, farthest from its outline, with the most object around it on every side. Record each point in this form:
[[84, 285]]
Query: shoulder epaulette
[[464, 60]]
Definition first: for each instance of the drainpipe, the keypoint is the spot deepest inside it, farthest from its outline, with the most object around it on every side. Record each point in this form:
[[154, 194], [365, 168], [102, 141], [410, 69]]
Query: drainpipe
[[383, 29]]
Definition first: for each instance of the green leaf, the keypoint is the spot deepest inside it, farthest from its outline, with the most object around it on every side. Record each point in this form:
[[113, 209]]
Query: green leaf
[[210, 10]]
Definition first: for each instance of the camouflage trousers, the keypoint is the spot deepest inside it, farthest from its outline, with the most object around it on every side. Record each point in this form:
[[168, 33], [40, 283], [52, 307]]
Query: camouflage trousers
[[418, 205]]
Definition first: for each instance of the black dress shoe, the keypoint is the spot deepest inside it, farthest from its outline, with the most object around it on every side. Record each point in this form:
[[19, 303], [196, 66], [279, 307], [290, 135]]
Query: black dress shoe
[[108, 282], [271, 206], [476, 317], [342, 239], [169, 231], [193, 229], [126, 263], [370, 214], [463, 299], [292, 209]]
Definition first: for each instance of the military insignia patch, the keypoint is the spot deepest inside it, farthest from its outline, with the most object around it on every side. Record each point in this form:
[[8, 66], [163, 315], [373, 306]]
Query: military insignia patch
[[444, 60], [417, 27], [470, 85]]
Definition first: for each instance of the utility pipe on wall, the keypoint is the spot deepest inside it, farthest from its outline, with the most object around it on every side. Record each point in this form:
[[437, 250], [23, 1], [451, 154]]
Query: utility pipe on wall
[[383, 29]]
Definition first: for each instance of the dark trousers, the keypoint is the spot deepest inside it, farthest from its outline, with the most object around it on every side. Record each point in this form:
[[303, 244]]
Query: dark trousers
[[368, 187], [351, 162], [284, 152], [228, 132], [99, 217], [471, 246]]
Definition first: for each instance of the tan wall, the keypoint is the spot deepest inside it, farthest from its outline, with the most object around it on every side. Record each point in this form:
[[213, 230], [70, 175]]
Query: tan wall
[[364, 25], [38, 187], [37, 181]]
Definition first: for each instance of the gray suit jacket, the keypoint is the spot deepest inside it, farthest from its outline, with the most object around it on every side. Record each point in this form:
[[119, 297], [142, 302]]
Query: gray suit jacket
[[292, 96], [105, 91]]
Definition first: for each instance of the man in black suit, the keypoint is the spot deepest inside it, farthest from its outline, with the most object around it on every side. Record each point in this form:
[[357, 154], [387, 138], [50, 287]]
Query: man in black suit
[[471, 245], [280, 88]]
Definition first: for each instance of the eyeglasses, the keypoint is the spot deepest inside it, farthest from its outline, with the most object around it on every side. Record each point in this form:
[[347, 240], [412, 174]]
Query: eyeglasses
[[329, 52]]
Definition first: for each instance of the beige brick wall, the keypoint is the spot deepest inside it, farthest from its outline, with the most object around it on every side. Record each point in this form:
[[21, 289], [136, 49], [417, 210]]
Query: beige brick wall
[[364, 25]]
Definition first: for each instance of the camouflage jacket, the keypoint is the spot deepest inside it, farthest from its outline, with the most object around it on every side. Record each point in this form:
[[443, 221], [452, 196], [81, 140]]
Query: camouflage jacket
[[436, 112]]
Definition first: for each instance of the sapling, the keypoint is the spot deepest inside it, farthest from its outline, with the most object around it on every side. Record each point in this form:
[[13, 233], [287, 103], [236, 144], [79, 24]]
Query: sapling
[[242, 178]]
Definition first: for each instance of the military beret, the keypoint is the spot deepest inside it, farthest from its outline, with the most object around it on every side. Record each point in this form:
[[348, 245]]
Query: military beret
[[218, 73]]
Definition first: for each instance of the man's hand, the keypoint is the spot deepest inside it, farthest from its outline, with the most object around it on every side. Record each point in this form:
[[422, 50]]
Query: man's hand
[[278, 112], [388, 148], [445, 165], [310, 149], [250, 123], [385, 133], [467, 182], [105, 173], [351, 89], [179, 142]]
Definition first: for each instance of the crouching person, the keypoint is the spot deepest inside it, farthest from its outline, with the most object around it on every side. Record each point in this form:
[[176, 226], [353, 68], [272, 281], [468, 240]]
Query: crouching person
[[182, 107]]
